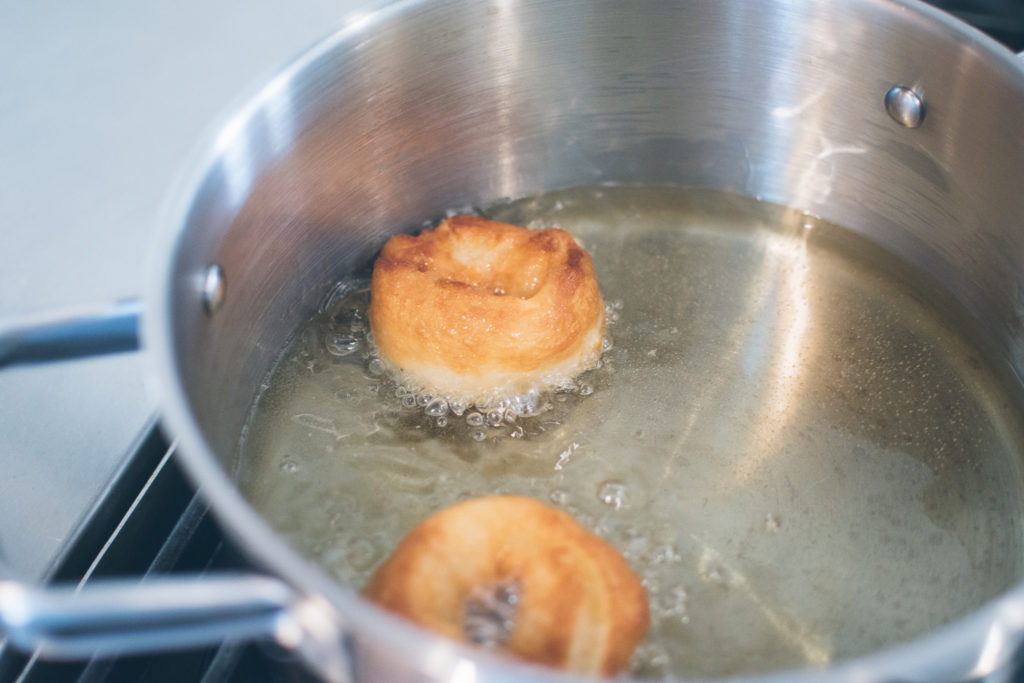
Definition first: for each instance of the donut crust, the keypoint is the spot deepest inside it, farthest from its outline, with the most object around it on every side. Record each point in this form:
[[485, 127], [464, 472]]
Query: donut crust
[[581, 607], [478, 308]]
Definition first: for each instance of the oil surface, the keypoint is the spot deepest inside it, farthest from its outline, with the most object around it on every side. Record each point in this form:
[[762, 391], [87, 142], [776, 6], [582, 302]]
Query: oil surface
[[791, 444]]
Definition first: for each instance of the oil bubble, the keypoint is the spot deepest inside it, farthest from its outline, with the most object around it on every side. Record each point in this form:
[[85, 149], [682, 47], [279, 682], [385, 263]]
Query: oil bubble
[[409, 401], [585, 389], [711, 569], [675, 605], [442, 421], [457, 407], [423, 400], [436, 407], [613, 494], [494, 418], [559, 496], [375, 367], [341, 344], [713, 573], [475, 419], [477, 435]]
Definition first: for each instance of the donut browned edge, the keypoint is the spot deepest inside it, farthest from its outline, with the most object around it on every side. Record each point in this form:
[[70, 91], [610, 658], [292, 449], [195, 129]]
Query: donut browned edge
[[476, 308], [581, 608]]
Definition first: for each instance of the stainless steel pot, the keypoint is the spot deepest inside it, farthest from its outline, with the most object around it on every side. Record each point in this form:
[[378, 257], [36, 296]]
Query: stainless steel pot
[[887, 117]]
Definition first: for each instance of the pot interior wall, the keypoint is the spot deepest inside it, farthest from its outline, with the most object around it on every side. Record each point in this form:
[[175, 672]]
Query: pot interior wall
[[430, 106]]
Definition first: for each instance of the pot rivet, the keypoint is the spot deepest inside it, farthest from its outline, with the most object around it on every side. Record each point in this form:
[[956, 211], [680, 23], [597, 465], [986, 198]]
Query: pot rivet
[[213, 289], [905, 106]]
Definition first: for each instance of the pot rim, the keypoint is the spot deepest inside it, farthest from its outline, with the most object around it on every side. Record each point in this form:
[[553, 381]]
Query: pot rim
[[994, 630]]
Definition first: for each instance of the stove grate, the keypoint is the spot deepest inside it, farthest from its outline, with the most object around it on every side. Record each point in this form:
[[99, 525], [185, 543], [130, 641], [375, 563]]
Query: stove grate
[[150, 522]]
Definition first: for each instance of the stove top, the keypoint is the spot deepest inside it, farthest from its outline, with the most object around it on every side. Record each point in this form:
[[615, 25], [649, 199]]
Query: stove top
[[151, 522], [1001, 19]]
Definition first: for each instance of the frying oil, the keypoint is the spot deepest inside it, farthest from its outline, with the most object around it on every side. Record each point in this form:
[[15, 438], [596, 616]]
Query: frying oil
[[790, 437]]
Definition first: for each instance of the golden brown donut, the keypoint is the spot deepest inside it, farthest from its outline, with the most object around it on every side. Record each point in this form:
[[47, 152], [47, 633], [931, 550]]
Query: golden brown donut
[[578, 605], [477, 310]]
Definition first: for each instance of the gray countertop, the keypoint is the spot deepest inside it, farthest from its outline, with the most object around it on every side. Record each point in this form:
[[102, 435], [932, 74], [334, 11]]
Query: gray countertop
[[100, 105]]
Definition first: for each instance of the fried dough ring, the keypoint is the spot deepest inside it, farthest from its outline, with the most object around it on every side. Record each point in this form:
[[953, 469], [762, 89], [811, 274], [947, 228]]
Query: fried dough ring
[[476, 309], [580, 606]]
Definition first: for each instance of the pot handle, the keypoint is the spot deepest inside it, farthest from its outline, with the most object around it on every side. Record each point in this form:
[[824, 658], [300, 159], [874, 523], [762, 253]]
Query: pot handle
[[111, 617], [117, 617], [74, 333]]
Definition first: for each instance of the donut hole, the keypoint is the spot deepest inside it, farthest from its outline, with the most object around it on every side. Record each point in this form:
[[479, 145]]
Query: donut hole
[[520, 277], [499, 262], [501, 272], [489, 614]]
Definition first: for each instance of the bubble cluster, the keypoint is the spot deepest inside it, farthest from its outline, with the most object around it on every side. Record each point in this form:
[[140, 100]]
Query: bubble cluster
[[650, 660], [612, 311], [673, 604], [498, 414], [347, 336]]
